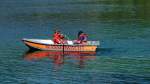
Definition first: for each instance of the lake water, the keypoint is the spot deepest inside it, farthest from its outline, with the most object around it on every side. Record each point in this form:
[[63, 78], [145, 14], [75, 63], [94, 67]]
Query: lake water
[[122, 27]]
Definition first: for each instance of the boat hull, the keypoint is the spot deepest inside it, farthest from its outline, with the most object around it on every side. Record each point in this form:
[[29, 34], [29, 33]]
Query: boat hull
[[59, 47]]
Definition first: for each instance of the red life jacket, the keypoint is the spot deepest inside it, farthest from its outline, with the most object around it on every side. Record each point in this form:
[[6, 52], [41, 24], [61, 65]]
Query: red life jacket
[[56, 38]]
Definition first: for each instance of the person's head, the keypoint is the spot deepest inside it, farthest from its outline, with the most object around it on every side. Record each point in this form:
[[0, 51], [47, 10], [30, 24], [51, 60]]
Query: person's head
[[80, 31], [57, 31]]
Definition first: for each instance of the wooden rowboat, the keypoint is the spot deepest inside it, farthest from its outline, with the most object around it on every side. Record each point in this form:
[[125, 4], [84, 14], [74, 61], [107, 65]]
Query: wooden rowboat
[[43, 44]]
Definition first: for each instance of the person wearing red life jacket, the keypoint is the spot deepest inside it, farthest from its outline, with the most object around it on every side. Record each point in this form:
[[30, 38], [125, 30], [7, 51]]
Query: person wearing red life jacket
[[58, 37]]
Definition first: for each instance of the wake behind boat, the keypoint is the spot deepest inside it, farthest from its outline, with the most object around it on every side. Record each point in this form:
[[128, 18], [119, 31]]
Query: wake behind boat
[[46, 44]]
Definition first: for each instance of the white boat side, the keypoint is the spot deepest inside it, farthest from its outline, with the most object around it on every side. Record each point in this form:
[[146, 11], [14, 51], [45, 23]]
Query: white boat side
[[50, 42]]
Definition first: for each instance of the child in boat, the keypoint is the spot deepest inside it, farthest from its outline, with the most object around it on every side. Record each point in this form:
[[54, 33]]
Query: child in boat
[[58, 37], [82, 38]]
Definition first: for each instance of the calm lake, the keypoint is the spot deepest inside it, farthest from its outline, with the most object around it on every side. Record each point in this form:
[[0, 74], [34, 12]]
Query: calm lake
[[122, 27]]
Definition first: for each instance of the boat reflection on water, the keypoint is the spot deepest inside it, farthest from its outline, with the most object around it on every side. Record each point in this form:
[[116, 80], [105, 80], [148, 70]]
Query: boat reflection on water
[[59, 57]]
